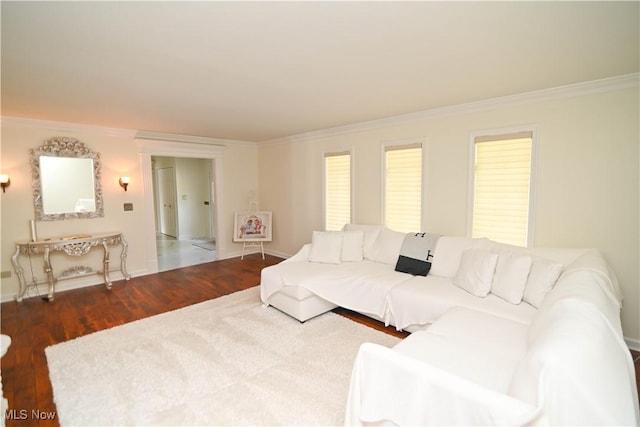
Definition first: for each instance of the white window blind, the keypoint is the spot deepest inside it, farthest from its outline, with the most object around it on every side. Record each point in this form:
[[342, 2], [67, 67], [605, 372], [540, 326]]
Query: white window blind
[[502, 187], [403, 187], [337, 200]]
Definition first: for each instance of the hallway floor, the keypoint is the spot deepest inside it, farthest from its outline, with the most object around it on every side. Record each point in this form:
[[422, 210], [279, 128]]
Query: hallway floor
[[174, 253]]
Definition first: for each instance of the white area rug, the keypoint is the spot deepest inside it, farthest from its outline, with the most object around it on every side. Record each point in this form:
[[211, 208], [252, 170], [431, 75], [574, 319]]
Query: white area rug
[[226, 361]]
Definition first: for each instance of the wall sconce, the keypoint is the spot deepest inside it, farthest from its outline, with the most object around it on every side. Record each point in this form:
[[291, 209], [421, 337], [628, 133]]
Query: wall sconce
[[124, 182], [4, 181]]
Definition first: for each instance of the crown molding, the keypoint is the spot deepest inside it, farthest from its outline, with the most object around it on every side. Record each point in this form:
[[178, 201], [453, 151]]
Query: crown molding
[[561, 92], [67, 127], [171, 137], [568, 91]]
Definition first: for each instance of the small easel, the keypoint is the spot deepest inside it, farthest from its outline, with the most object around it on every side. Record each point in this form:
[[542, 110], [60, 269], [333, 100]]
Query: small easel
[[253, 208]]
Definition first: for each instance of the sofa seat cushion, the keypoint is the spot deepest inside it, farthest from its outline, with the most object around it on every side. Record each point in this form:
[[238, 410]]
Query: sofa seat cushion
[[293, 302], [389, 388], [297, 293], [422, 300], [480, 347], [290, 273], [359, 286], [483, 332]]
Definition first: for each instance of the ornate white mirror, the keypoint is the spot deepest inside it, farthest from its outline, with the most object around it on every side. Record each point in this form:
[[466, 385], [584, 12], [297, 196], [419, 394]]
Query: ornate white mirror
[[66, 180]]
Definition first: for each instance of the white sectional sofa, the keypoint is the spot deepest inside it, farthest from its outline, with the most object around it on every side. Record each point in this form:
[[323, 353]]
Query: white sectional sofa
[[502, 335]]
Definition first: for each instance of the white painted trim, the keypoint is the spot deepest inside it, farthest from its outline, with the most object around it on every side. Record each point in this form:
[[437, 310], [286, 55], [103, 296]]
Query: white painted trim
[[148, 148], [159, 136], [278, 254], [562, 92], [533, 176], [148, 204], [170, 148], [354, 191], [533, 185], [425, 186], [77, 283], [323, 167], [66, 127], [632, 343]]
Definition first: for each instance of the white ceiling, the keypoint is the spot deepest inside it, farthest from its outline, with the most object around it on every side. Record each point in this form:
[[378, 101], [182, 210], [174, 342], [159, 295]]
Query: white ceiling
[[256, 71]]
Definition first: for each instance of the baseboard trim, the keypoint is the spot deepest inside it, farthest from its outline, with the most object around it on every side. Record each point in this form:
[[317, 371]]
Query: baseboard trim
[[278, 254], [238, 254], [94, 280], [632, 343]]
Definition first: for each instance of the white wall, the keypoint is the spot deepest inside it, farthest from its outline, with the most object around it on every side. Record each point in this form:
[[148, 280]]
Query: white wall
[[192, 185], [587, 190], [120, 156], [588, 187]]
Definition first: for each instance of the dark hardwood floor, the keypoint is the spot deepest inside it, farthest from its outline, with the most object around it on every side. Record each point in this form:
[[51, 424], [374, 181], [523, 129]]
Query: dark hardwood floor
[[34, 324]]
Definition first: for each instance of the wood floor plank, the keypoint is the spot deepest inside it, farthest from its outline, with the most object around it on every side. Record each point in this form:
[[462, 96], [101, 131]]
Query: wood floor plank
[[35, 324]]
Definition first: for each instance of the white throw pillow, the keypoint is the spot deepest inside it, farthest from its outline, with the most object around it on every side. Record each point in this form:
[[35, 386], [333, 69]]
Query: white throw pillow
[[387, 246], [505, 248], [475, 274], [326, 247], [352, 244], [446, 257], [510, 277], [370, 235], [543, 276]]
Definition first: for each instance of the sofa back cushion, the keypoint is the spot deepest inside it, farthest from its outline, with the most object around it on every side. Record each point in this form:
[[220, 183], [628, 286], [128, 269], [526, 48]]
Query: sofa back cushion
[[475, 274], [334, 247], [370, 233], [510, 277], [542, 277], [448, 253], [352, 246], [387, 246], [326, 247]]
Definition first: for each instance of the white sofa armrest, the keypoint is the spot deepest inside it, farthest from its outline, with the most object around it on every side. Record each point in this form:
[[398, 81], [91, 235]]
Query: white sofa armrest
[[389, 387], [301, 255]]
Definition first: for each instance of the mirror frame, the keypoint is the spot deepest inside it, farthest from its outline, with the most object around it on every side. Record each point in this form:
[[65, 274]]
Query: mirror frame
[[65, 147]]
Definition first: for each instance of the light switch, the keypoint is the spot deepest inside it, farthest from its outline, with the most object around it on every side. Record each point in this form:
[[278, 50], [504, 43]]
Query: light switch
[[128, 206]]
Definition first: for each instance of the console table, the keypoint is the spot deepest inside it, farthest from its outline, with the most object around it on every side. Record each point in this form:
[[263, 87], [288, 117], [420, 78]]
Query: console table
[[74, 246]]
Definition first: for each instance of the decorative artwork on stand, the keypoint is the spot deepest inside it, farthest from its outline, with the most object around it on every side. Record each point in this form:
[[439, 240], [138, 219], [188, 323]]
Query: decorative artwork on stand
[[252, 226]]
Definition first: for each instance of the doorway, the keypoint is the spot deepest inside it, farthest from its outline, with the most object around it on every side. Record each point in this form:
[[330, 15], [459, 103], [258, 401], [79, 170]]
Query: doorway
[[201, 148], [184, 207]]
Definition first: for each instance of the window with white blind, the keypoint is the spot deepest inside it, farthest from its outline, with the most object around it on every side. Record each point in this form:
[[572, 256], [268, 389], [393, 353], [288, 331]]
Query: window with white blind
[[403, 187], [337, 190], [502, 178]]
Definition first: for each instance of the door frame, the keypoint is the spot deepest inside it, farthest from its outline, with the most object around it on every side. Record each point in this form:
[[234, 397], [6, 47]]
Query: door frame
[[149, 148], [158, 196]]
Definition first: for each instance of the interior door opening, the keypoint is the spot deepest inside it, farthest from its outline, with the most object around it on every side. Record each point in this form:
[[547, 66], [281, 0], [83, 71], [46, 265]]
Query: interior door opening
[[184, 204]]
